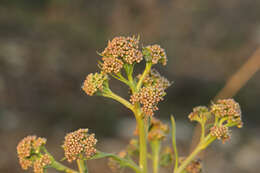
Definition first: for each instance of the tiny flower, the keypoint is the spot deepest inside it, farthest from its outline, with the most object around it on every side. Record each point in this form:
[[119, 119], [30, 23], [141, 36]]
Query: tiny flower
[[228, 108], [158, 130], [125, 48], [220, 132], [40, 164], [155, 79], [28, 147], [149, 97], [94, 83], [155, 54], [200, 114], [79, 143]]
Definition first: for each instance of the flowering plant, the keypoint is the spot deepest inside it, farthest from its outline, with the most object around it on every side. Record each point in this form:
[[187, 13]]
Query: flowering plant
[[146, 91]]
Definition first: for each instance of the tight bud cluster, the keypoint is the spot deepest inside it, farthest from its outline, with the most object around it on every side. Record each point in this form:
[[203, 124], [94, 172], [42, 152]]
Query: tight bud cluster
[[149, 97], [29, 153], [155, 79], [221, 133], [155, 54], [200, 114], [94, 83], [79, 143], [118, 51], [228, 108], [41, 163]]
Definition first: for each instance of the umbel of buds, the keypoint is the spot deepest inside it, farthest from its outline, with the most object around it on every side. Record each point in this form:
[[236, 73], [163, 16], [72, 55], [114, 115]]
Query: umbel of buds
[[229, 110], [30, 154], [94, 83], [79, 144]]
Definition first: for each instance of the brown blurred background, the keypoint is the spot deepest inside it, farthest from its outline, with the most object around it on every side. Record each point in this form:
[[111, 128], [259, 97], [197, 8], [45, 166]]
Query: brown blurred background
[[47, 47]]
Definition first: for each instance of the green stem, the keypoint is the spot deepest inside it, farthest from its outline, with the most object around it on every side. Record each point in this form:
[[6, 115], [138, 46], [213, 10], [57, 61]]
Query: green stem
[[202, 132], [143, 144], [201, 146], [58, 166], [116, 97], [146, 71], [123, 161], [82, 166], [156, 147], [188, 160], [174, 142]]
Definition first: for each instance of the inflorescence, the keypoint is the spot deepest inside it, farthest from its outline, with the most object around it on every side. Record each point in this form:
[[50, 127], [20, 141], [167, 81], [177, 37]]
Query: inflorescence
[[118, 60], [79, 144], [30, 154]]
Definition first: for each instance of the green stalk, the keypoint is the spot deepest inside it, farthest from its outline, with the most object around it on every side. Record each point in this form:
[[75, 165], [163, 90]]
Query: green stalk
[[143, 144], [188, 160], [174, 143], [156, 147], [58, 166], [201, 146], [82, 166], [116, 97], [145, 73]]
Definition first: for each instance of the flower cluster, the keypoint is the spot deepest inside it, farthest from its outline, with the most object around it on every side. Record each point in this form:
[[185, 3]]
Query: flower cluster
[[79, 143], [94, 83], [194, 166], [158, 130], [155, 54], [149, 97], [118, 51], [41, 163], [29, 152], [228, 108], [200, 114], [220, 132], [155, 79]]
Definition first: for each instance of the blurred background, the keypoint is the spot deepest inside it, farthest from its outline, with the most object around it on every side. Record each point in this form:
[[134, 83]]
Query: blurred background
[[47, 47]]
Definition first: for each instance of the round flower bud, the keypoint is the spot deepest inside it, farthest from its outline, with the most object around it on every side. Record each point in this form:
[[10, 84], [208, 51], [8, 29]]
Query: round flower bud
[[228, 108], [79, 143], [155, 54], [94, 83]]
